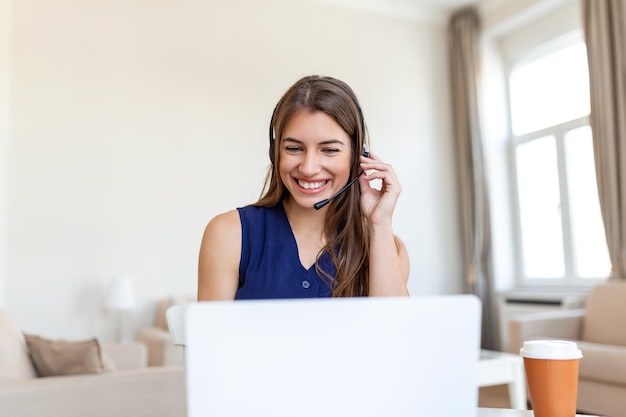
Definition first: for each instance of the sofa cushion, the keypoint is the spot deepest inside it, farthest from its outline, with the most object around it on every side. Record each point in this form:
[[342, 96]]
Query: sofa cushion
[[61, 357], [15, 363], [605, 316], [603, 363]]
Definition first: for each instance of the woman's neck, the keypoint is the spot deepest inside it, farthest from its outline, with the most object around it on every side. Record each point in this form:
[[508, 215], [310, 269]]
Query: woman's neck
[[307, 221]]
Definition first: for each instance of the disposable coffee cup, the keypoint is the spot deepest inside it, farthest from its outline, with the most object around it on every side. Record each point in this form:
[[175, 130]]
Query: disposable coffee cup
[[552, 373]]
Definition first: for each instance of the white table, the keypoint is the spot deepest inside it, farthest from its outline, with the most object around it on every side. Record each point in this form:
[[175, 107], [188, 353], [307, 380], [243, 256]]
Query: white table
[[498, 368]]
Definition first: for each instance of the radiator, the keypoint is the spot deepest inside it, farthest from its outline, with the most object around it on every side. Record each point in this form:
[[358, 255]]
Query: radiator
[[513, 303]]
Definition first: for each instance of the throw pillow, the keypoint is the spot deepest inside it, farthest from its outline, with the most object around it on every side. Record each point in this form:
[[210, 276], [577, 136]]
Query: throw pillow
[[62, 357]]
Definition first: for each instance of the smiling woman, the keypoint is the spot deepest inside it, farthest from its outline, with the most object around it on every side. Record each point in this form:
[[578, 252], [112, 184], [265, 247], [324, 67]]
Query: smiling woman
[[312, 234]]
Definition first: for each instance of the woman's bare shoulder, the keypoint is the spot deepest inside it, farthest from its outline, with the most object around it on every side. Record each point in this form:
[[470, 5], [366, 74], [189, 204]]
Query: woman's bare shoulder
[[223, 235], [219, 257], [224, 223], [403, 256]]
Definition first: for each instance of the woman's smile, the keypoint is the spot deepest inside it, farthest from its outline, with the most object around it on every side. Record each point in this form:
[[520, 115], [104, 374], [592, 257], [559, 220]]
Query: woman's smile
[[312, 185]]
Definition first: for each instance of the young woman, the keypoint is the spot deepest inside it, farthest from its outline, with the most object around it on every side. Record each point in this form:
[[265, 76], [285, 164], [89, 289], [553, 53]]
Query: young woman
[[283, 246]]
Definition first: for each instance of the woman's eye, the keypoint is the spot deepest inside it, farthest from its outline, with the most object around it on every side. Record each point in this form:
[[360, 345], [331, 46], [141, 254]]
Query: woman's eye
[[292, 149], [330, 151]]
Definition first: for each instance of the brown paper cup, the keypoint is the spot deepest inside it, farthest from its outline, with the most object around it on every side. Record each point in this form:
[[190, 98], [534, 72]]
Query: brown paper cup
[[552, 374]]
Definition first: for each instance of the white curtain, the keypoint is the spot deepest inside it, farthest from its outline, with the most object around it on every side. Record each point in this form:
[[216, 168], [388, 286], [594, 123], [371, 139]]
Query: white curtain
[[605, 35], [464, 42]]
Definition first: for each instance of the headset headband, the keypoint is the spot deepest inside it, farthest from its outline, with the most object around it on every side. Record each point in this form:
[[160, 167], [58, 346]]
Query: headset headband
[[364, 152]]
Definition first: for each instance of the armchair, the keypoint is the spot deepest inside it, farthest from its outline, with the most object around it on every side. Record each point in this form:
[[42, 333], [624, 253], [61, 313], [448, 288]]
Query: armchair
[[600, 331], [161, 348], [129, 389]]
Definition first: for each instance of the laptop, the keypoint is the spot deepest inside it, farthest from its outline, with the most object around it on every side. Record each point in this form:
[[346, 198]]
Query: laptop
[[349, 357]]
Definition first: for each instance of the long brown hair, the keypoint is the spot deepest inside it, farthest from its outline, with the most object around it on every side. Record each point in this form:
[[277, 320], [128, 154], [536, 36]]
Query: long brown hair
[[345, 226]]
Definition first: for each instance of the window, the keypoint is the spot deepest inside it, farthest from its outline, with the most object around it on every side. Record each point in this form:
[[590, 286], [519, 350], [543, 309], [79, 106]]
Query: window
[[559, 229]]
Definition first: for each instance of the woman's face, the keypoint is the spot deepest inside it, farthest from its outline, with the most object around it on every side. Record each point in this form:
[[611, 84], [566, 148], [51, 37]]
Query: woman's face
[[315, 156]]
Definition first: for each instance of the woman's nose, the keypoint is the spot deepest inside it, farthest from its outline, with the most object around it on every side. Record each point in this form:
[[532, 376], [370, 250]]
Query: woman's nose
[[310, 164]]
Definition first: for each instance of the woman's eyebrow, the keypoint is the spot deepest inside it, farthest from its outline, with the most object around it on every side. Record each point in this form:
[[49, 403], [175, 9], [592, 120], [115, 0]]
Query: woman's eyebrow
[[325, 142], [293, 140], [332, 142]]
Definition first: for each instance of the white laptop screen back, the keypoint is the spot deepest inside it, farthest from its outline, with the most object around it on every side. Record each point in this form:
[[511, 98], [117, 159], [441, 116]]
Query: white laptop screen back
[[333, 357]]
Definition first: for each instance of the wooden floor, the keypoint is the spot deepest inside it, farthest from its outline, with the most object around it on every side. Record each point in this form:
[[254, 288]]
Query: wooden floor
[[494, 397]]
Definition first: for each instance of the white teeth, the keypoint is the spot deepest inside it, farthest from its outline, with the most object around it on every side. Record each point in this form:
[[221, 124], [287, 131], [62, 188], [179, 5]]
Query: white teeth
[[311, 185]]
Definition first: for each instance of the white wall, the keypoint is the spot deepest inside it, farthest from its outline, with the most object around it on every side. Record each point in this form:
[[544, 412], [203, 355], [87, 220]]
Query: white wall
[[5, 75], [133, 123]]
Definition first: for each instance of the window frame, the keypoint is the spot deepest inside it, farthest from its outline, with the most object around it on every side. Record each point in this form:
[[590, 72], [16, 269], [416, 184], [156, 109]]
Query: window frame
[[570, 279]]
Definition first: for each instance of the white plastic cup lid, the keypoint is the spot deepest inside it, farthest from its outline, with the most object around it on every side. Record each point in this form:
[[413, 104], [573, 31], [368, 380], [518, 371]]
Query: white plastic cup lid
[[550, 349]]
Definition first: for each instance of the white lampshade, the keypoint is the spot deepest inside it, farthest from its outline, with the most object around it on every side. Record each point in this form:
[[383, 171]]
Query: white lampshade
[[121, 295]]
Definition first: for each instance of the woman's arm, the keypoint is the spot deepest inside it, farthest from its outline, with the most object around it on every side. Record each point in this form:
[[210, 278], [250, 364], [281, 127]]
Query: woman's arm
[[220, 252], [389, 260], [389, 264]]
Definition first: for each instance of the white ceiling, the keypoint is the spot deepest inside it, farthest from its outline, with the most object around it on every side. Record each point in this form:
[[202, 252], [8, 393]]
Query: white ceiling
[[436, 10], [446, 5]]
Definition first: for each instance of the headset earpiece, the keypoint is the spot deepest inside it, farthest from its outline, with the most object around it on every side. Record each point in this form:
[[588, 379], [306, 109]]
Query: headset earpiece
[[272, 133]]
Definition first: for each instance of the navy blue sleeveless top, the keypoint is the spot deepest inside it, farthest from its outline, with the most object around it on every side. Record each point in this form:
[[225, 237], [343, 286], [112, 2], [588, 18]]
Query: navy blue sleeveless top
[[270, 266]]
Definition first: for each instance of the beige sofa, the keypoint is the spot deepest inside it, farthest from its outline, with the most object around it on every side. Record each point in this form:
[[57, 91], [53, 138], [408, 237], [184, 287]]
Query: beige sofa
[[161, 348], [600, 331], [124, 387]]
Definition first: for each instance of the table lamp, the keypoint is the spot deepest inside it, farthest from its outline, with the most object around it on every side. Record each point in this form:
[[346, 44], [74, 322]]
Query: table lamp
[[120, 298]]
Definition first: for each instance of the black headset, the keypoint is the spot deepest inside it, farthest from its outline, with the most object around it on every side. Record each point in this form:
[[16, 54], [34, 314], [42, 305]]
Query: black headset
[[365, 151]]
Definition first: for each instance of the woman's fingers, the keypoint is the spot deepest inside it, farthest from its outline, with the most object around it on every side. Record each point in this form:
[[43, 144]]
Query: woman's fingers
[[376, 169], [379, 204]]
